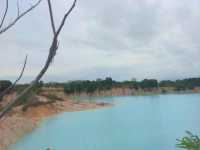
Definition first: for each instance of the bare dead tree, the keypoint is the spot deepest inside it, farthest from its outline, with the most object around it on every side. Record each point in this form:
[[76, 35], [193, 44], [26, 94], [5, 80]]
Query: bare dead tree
[[3, 29], [19, 16], [52, 52], [11, 87]]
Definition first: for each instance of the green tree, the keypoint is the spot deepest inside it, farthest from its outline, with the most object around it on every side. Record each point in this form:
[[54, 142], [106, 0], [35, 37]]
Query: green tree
[[167, 83], [149, 83]]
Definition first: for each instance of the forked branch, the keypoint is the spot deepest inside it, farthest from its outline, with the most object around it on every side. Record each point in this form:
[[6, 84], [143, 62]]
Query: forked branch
[[4, 15], [10, 25], [19, 16], [52, 52]]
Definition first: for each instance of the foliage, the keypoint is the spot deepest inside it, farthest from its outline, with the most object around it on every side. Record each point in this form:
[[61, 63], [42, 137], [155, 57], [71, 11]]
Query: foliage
[[81, 86], [167, 83], [189, 142], [52, 97], [149, 83], [179, 85], [188, 83], [106, 84], [4, 84], [89, 87], [30, 95]]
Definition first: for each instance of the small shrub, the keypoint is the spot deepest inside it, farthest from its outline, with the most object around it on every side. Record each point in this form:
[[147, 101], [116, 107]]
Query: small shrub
[[163, 91], [189, 142], [4, 84], [53, 97]]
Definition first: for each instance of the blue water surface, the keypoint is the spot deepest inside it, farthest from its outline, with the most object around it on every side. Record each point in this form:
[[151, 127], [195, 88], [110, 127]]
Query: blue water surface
[[134, 123]]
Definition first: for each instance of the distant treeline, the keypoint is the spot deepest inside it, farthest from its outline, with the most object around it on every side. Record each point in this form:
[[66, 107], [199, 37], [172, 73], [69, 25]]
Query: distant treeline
[[108, 83], [87, 86]]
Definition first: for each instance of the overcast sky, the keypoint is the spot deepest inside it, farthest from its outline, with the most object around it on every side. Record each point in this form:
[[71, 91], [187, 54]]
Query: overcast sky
[[118, 38]]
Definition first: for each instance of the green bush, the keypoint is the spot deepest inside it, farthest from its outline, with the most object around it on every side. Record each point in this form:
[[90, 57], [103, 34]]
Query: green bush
[[189, 142], [4, 84], [31, 94], [52, 97]]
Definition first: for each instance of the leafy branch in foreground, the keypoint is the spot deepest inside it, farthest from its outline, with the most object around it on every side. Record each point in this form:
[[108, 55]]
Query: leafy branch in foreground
[[189, 142]]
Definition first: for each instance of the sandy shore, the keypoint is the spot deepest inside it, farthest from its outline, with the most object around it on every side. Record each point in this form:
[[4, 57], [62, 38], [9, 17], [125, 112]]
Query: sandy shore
[[18, 123]]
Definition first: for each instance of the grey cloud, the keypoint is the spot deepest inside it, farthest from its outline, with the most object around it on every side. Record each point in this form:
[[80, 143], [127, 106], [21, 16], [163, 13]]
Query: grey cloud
[[162, 35], [119, 25]]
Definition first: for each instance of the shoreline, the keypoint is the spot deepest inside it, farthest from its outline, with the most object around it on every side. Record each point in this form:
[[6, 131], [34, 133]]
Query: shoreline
[[18, 124]]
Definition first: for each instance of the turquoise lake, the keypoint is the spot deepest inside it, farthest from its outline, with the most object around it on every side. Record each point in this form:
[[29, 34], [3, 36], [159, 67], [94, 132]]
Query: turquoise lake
[[134, 123]]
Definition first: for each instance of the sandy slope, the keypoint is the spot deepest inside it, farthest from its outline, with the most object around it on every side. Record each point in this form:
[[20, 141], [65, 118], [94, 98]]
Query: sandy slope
[[18, 123]]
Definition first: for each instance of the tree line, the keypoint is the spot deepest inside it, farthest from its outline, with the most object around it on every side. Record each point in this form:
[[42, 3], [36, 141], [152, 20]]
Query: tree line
[[90, 86]]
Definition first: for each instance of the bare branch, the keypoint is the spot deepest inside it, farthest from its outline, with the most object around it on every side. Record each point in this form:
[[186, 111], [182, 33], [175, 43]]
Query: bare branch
[[51, 16], [6, 91], [4, 15], [52, 52], [19, 16], [18, 10], [65, 17]]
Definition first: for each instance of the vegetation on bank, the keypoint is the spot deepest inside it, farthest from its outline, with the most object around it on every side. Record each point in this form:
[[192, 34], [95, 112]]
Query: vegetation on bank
[[92, 87], [189, 142], [89, 87], [4, 84]]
